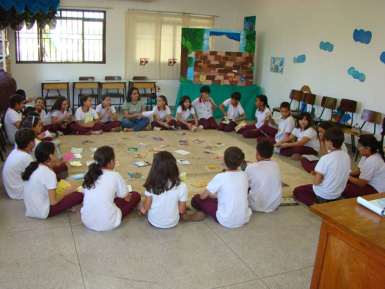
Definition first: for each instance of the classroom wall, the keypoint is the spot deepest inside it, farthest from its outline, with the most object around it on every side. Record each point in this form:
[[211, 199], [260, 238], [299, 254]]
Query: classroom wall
[[295, 27], [29, 76]]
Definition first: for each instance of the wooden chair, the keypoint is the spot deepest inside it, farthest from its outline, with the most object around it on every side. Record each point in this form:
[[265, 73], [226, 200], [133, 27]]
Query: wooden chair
[[295, 95], [308, 99], [92, 93], [327, 103]]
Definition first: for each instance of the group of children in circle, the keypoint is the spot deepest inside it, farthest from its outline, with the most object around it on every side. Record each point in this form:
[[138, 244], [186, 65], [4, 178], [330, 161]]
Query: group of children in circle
[[31, 171]]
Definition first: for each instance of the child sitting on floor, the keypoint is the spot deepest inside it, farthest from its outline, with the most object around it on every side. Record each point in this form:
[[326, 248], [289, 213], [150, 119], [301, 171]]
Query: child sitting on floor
[[185, 115], [40, 109], [60, 117], [225, 198], [286, 125], [86, 119], [107, 199], [32, 121], [17, 161], [369, 177], [13, 116], [233, 112], [265, 181], [204, 107], [40, 184], [303, 139], [107, 115], [331, 172], [262, 119], [133, 119], [162, 115], [165, 195]]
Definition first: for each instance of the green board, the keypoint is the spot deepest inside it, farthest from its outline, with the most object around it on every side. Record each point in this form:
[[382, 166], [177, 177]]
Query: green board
[[220, 93]]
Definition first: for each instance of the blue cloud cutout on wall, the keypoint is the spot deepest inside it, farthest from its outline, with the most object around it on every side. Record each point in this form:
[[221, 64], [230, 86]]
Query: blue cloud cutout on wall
[[362, 36], [356, 74], [326, 46], [299, 58], [382, 57]]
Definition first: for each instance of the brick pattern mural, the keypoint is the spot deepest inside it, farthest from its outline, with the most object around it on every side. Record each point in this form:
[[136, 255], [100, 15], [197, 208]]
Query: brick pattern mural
[[214, 67]]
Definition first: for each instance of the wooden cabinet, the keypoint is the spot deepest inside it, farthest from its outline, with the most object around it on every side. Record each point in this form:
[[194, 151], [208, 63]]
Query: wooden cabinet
[[351, 248]]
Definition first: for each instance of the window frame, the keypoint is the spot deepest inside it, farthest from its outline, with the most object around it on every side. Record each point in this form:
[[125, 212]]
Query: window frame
[[40, 34]]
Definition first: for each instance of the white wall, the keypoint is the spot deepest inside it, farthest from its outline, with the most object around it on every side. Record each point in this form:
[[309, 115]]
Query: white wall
[[29, 76], [289, 28]]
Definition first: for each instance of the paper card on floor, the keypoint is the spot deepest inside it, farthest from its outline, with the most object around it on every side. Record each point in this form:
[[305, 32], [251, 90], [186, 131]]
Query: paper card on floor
[[311, 158], [135, 175], [132, 149], [199, 184], [198, 141], [289, 202], [141, 164], [157, 138], [129, 188], [182, 152], [183, 176], [184, 162], [76, 150], [213, 167], [183, 142], [77, 177], [77, 156], [68, 156], [75, 164]]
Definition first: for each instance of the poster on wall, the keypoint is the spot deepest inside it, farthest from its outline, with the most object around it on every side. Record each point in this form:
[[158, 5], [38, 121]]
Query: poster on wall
[[277, 64]]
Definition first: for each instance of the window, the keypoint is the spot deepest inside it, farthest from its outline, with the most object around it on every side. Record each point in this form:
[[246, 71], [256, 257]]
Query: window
[[156, 38], [77, 37]]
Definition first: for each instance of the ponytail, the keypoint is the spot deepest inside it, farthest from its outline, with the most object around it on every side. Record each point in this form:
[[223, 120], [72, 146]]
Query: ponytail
[[102, 157], [43, 153], [94, 172], [29, 170]]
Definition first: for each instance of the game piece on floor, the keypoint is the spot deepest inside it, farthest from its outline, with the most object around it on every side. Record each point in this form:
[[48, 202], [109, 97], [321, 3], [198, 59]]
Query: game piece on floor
[[199, 184], [242, 124], [183, 162], [213, 167], [198, 141], [68, 156], [183, 142], [209, 152], [141, 164], [182, 152], [129, 188], [77, 177], [311, 158], [284, 185], [135, 175], [61, 188], [76, 150], [289, 202], [87, 141], [183, 176], [75, 164], [132, 149]]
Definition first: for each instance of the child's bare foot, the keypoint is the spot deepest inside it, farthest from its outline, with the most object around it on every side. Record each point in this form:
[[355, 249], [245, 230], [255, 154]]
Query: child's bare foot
[[194, 129], [116, 129], [193, 216], [157, 128], [96, 132], [127, 129]]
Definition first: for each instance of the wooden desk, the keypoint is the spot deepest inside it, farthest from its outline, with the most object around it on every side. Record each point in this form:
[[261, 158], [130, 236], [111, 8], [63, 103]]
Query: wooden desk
[[89, 85], [55, 85], [351, 248]]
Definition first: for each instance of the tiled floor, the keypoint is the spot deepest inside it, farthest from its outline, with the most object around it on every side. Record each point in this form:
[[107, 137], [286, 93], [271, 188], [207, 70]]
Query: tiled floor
[[273, 251]]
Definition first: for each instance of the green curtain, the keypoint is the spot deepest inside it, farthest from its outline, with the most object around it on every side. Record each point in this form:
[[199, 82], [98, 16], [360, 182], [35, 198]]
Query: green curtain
[[220, 93]]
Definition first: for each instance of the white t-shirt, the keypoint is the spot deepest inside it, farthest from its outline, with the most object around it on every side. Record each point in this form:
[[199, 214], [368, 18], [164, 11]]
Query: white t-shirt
[[335, 168], [14, 166], [161, 114], [104, 116], [265, 182], [260, 117], [204, 109], [285, 126], [164, 211], [309, 133], [99, 211], [60, 115], [187, 114], [233, 112], [373, 170], [36, 196], [86, 117], [231, 190], [10, 119]]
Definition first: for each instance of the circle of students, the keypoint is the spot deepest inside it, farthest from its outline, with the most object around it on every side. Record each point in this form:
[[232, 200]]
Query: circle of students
[[31, 171]]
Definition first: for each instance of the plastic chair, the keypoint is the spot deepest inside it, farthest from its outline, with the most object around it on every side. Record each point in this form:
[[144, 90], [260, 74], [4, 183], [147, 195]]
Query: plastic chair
[[295, 95]]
